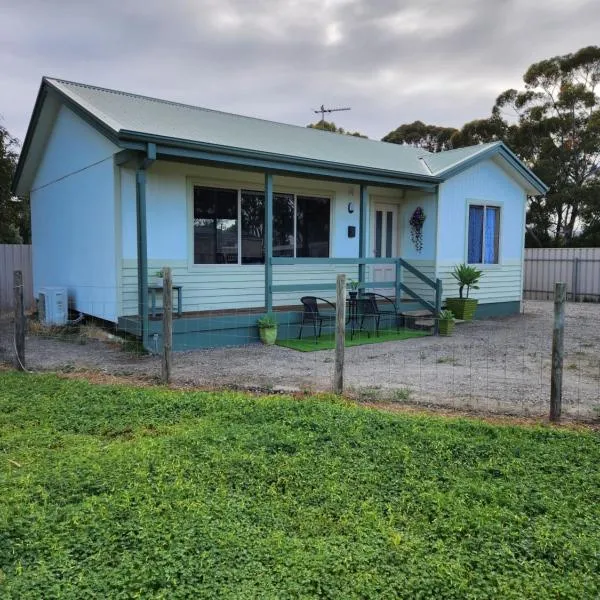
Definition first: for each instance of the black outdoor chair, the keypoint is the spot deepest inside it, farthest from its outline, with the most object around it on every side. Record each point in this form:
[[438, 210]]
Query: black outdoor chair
[[385, 310], [312, 314], [367, 309]]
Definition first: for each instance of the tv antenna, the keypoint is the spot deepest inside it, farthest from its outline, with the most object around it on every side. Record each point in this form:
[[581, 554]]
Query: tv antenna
[[324, 110]]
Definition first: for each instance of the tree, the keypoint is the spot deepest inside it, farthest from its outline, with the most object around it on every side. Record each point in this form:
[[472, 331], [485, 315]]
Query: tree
[[331, 126], [14, 212], [433, 138], [557, 134]]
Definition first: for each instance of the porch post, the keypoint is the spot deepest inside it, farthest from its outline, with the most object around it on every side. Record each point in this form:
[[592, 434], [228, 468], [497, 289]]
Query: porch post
[[142, 243], [362, 233], [268, 241]]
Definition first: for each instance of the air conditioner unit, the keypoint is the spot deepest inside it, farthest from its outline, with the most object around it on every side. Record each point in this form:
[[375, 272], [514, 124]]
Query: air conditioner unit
[[53, 305]]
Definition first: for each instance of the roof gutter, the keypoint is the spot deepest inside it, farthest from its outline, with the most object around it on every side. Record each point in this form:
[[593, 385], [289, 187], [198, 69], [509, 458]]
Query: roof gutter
[[178, 149]]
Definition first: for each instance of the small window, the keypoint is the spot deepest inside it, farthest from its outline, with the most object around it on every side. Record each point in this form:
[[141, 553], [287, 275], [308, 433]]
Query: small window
[[484, 234], [215, 226]]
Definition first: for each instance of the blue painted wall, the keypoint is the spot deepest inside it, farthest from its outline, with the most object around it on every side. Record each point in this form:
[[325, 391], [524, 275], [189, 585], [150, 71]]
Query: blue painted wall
[[73, 217], [485, 182]]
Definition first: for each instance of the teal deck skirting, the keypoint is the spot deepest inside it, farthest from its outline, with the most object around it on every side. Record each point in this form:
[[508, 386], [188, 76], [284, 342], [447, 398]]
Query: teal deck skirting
[[193, 333]]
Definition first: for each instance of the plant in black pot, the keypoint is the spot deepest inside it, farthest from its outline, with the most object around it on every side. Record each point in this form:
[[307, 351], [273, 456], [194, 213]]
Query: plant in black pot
[[468, 277], [353, 288], [267, 328]]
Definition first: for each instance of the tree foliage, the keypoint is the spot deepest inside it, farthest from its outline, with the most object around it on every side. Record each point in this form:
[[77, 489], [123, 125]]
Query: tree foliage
[[14, 213], [432, 138], [331, 126], [553, 125], [557, 133]]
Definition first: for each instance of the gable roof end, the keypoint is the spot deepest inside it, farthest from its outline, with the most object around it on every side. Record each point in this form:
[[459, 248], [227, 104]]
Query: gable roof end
[[452, 162]]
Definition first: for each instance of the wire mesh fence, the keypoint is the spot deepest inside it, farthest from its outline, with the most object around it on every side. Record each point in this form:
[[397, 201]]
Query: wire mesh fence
[[499, 365]]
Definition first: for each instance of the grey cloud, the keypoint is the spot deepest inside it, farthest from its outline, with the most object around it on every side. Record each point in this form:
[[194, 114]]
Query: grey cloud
[[395, 61]]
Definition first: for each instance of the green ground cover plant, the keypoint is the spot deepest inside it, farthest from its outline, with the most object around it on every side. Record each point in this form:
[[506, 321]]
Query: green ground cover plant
[[122, 492], [327, 340]]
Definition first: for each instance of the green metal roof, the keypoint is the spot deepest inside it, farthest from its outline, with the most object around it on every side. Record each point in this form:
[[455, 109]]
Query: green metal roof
[[124, 112], [190, 132], [440, 161]]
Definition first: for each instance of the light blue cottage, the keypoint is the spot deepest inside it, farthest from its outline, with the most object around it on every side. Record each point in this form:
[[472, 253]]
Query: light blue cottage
[[252, 214]]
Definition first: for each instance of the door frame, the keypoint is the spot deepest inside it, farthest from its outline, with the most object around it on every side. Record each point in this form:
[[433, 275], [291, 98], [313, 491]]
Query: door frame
[[378, 201]]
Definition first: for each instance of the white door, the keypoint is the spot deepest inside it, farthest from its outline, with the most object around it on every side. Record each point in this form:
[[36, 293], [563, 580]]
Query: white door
[[384, 242]]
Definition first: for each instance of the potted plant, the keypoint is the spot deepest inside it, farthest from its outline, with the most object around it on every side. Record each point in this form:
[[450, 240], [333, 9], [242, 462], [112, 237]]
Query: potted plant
[[468, 277], [158, 278], [446, 322], [353, 286], [267, 329]]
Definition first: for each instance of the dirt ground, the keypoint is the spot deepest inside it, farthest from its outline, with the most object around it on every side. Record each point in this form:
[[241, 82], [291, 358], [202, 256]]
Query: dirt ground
[[499, 365]]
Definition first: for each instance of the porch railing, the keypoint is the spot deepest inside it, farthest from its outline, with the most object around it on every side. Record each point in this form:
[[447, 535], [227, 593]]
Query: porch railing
[[398, 284]]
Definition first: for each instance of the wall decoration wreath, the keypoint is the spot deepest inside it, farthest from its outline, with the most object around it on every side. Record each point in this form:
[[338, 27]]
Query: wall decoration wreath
[[416, 228]]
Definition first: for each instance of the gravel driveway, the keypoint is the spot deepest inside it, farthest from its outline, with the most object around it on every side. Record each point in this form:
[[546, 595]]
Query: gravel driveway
[[497, 365]]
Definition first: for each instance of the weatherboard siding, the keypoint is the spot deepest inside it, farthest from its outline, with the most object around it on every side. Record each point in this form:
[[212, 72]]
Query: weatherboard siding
[[216, 287], [223, 287], [73, 217], [485, 182]]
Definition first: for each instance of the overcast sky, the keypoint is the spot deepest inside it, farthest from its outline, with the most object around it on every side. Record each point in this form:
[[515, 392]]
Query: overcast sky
[[392, 61]]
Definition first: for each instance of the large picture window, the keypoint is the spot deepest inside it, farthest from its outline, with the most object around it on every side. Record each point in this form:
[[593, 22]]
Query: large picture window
[[484, 234], [215, 226], [300, 226]]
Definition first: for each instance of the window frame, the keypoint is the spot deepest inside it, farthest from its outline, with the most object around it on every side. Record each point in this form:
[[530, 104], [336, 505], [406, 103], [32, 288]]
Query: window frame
[[485, 204], [244, 185]]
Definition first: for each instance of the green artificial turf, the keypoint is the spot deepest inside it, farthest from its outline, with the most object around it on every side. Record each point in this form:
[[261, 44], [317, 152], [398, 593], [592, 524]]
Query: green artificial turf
[[118, 492], [327, 340]]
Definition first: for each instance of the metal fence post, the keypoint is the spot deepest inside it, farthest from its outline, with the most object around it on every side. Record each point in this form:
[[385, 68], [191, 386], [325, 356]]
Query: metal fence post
[[558, 338], [340, 333], [19, 321], [167, 325]]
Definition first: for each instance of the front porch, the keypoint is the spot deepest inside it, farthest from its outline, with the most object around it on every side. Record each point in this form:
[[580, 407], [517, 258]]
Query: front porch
[[231, 327], [242, 242]]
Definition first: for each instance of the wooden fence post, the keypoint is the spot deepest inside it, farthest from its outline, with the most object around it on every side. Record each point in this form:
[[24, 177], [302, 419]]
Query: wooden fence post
[[340, 333], [167, 325], [558, 338], [19, 321]]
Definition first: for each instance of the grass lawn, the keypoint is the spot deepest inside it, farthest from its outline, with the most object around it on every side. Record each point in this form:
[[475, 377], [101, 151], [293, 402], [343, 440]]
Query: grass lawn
[[116, 492], [327, 340]]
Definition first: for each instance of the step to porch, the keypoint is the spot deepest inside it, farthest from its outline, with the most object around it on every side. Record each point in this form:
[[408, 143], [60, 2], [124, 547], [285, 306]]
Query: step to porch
[[418, 319]]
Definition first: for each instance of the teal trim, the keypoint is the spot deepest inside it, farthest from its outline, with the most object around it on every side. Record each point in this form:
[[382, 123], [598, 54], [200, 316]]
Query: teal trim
[[142, 242], [268, 237], [195, 333], [497, 309], [398, 279], [142, 252], [417, 273], [425, 303], [439, 290], [285, 260], [507, 154], [308, 287], [362, 230], [275, 163]]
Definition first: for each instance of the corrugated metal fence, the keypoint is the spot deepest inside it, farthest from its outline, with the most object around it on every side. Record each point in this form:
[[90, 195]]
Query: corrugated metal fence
[[579, 268], [15, 257]]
